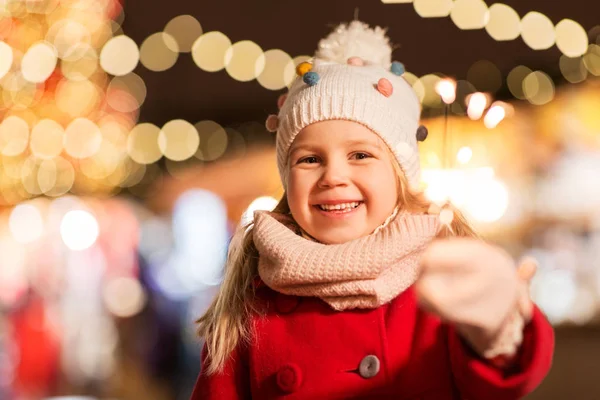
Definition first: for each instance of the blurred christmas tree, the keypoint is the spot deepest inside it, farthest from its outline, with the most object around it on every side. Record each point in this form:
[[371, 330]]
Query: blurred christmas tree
[[68, 99]]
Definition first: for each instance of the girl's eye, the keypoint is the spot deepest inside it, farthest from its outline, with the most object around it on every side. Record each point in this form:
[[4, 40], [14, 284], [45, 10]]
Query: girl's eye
[[308, 160], [361, 156]]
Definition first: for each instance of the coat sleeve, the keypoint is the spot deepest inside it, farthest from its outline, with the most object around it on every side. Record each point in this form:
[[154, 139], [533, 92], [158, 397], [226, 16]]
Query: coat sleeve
[[232, 383], [475, 378]]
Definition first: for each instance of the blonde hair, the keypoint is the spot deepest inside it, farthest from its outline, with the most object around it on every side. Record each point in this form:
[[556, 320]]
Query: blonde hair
[[226, 323]]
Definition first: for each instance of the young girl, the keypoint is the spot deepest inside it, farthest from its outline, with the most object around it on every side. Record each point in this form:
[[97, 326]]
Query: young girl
[[355, 287]]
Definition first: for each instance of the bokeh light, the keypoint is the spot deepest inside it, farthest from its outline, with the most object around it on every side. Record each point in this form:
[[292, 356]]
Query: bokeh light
[[185, 29], [39, 62], [573, 69], [274, 76], [83, 67], [209, 50], [124, 297], [14, 136], [538, 88], [476, 103], [6, 58], [591, 60], [25, 223], [178, 140], [82, 138], [77, 98], [245, 61], [126, 93], [79, 229], [515, 80], [213, 140], [433, 8], [504, 22], [489, 202], [494, 116], [469, 14], [537, 31], [119, 56], [142, 143], [47, 138], [266, 203], [159, 52], [485, 76], [464, 155], [571, 38]]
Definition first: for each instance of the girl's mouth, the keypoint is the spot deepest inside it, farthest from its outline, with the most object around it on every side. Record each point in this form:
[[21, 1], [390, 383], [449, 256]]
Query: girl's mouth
[[341, 208]]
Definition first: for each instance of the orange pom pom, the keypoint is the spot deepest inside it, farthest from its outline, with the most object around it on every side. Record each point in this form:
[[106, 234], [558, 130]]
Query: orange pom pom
[[303, 68]]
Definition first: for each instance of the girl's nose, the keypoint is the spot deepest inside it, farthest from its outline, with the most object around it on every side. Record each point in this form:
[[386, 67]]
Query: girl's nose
[[334, 175]]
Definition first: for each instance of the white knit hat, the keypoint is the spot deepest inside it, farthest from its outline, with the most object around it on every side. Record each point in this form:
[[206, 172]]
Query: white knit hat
[[352, 78]]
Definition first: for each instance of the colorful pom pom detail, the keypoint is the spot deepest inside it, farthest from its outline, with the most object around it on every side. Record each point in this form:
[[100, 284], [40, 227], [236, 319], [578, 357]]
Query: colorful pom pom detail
[[356, 61], [272, 123], [422, 133], [303, 68], [398, 68], [281, 100], [311, 78], [385, 87]]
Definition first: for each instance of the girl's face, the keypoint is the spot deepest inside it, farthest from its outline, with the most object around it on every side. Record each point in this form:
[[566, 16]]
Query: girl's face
[[341, 182]]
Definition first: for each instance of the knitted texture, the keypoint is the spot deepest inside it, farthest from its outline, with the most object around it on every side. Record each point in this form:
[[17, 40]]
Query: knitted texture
[[350, 92], [363, 273]]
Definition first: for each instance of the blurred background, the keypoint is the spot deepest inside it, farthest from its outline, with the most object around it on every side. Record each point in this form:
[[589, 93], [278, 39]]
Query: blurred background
[[133, 142]]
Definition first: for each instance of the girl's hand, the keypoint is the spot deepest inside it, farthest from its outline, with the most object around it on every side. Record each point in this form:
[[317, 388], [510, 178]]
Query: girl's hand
[[477, 287]]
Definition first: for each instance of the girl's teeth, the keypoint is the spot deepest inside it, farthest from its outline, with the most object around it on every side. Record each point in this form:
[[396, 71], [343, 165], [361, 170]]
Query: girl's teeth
[[341, 207]]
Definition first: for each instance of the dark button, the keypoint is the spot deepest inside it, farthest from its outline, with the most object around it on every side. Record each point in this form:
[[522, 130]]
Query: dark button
[[286, 304], [289, 378], [369, 367]]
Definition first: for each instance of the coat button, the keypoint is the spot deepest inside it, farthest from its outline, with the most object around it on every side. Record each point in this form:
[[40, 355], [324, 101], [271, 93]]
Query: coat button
[[369, 367], [289, 378], [286, 304]]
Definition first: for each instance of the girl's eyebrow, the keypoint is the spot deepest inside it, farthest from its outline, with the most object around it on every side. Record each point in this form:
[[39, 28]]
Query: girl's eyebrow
[[355, 142]]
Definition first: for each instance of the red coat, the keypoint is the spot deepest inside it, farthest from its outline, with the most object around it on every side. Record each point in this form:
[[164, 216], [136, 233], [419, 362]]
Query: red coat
[[305, 350]]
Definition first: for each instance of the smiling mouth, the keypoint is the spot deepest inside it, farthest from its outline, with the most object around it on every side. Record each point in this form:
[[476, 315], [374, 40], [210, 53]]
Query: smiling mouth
[[339, 208]]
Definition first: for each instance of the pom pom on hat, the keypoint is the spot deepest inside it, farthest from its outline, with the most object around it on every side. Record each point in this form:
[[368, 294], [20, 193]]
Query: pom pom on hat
[[311, 78], [397, 68], [356, 39], [272, 123], [422, 133]]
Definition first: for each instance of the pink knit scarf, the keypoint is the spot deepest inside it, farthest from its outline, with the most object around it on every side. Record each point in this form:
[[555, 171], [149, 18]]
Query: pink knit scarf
[[363, 273]]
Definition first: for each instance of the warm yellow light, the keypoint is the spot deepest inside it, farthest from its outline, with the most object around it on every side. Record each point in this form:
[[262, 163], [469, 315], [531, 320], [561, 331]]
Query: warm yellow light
[[126, 93], [591, 60], [573, 69], [213, 140], [119, 56], [39, 62], [571, 38], [209, 50], [142, 143], [63, 179], [178, 140], [464, 155], [446, 88], [82, 138], [245, 61], [159, 52], [515, 79], [477, 102], [538, 88], [273, 76], [469, 14], [494, 116], [504, 22], [14, 136], [433, 8], [82, 68], [77, 98], [6, 58], [185, 29], [47, 138], [537, 31]]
